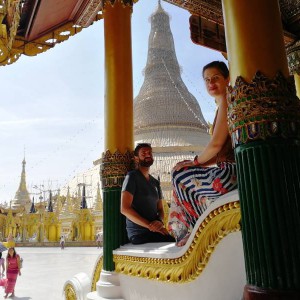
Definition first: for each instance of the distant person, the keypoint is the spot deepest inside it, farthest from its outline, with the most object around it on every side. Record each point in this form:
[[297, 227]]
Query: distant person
[[13, 269], [141, 201], [212, 173], [2, 264], [98, 239], [62, 242], [18, 237], [10, 242]]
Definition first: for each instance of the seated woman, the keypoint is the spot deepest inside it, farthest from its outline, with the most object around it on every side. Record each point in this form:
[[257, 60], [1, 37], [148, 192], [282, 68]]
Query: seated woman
[[213, 172]]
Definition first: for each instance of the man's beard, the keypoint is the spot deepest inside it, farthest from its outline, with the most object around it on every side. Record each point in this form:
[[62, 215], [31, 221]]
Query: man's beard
[[146, 163]]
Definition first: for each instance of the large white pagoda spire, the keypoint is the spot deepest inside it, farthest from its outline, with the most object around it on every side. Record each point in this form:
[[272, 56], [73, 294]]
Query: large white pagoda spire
[[165, 112]]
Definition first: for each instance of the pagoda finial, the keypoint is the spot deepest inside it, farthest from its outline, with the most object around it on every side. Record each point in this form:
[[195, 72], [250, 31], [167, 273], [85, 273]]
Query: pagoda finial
[[50, 207], [83, 204], [98, 203], [32, 208], [159, 7]]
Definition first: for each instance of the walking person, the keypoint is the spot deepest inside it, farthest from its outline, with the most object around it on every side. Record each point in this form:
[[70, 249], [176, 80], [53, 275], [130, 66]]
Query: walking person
[[13, 269], [2, 265], [62, 242], [98, 239]]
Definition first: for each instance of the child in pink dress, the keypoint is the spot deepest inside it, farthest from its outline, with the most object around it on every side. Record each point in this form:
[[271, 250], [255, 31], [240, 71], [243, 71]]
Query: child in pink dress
[[13, 269]]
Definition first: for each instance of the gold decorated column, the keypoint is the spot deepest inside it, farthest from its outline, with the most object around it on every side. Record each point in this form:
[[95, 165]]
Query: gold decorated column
[[293, 55], [118, 122], [297, 82], [257, 44], [264, 122], [118, 78]]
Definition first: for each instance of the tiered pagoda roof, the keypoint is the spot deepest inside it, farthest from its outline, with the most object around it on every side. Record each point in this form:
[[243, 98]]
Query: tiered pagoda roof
[[164, 100]]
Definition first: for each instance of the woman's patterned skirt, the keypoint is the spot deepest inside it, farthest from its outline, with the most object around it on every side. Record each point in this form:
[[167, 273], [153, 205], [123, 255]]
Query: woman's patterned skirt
[[194, 189]]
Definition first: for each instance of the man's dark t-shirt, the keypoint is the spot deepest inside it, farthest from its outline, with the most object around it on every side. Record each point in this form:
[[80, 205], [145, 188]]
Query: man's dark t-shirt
[[146, 195]]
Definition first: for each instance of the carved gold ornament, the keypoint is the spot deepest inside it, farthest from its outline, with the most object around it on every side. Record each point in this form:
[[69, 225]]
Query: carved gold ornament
[[210, 9], [219, 223], [114, 168], [124, 2], [293, 55], [263, 108], [89, 14], [69, 292], [96, 273], [11, 11]]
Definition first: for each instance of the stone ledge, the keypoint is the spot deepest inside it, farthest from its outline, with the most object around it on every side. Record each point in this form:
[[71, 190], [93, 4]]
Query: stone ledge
[[56, 244]]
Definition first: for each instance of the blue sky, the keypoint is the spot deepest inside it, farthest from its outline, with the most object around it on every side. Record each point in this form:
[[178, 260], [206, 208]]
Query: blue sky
[[52, 104]]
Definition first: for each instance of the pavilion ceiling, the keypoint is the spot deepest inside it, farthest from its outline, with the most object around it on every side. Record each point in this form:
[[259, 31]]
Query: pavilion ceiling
[[212, 10], [207, 24], [31, 27]]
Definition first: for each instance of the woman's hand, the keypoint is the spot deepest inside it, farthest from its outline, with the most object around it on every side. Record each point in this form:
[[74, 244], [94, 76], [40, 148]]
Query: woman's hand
[[183, 164]]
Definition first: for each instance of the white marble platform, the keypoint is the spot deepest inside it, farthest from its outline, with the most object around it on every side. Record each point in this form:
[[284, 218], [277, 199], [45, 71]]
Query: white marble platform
[[46, 270]]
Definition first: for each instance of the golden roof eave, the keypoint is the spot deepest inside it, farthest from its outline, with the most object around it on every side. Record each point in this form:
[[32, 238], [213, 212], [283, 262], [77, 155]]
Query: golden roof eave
[[32, 27], [37, 46], [12, 45], [210, 9]]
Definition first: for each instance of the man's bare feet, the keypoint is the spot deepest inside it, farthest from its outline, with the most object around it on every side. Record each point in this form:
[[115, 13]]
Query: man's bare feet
[[183, 241]]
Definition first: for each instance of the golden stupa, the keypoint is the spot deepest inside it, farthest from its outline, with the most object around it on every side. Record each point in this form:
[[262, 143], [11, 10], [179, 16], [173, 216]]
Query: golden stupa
[[28, 223]]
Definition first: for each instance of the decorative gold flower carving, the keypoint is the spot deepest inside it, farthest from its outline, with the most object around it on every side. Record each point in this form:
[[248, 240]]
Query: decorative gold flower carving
[[293, 56], [114, 167], [263, 108], [69, 292], [96, 273]]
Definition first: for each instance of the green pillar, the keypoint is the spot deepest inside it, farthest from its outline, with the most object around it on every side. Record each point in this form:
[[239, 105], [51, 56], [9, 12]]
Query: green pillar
[[113, 170], [264, 122]]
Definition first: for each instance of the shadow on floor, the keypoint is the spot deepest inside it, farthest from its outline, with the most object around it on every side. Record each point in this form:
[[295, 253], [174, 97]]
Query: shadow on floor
[[19, 298]]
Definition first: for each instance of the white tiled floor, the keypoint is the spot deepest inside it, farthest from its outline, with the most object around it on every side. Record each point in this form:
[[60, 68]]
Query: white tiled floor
[[45, 270]]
